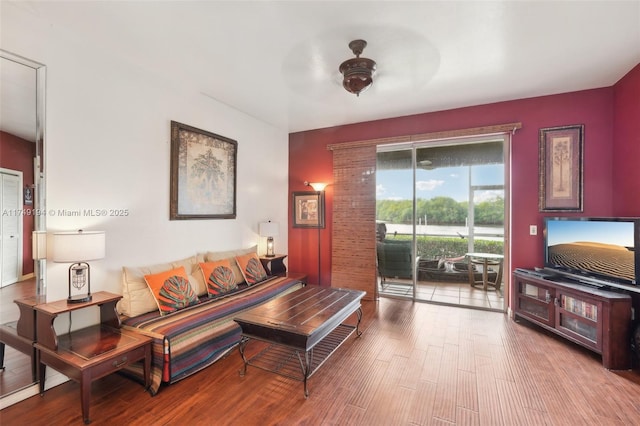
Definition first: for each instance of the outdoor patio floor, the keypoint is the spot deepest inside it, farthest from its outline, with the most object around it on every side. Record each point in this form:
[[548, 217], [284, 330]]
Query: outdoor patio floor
[[449, 293]]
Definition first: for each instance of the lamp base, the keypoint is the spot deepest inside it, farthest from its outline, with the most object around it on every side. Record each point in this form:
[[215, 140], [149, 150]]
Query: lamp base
[[82, 298], [269, 255]]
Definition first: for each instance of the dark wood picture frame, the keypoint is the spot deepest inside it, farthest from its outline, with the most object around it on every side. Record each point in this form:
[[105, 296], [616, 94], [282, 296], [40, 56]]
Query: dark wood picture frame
[[561, 168], [308, 209], [203, 174]]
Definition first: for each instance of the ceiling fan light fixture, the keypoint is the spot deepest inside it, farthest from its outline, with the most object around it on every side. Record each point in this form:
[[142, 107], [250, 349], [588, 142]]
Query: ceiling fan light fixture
[[357, 72]]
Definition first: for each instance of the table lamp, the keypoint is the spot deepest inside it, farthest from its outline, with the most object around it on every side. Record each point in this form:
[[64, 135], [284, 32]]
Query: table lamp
[[39, 245], [77, 248], [269, 230]]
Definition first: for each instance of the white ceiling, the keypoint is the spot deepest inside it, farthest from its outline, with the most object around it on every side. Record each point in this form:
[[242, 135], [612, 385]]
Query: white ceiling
[[18, 99], [278, 61]]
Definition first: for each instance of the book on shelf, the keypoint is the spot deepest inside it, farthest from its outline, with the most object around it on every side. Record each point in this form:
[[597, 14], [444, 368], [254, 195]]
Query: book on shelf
[[580, 307]]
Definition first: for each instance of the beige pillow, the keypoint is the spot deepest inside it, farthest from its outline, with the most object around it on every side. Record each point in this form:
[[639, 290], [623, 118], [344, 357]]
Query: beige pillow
[[231, 255], [137, 299]]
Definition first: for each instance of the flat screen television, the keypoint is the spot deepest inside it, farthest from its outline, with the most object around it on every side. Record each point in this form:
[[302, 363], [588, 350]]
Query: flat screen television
[[596, 251]]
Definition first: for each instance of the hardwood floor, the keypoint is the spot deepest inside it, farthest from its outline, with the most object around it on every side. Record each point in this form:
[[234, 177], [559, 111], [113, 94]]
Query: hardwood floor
[[17, 372], [415, 364], [8, 310]]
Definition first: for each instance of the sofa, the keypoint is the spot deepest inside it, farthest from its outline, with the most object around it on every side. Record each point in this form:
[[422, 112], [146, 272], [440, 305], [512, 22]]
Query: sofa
[[193, 337]]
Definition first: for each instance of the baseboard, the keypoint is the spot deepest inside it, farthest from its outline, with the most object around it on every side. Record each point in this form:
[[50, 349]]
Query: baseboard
[[13, 398]]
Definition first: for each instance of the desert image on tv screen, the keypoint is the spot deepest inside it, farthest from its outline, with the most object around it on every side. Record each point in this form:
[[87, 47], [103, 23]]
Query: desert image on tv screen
[[604, 248]]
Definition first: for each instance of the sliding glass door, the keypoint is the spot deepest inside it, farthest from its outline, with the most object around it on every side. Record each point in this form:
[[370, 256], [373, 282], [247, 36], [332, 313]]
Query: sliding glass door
[[438, 203], [395, 246]]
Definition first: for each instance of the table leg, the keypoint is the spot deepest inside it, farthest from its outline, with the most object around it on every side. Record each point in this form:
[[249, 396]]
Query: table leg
[[308, 358], [34, 365], [359, 314], [241, 347], [499, 277], [485, 274], [1, 356], [85, 396], [41, 372], [147, 366]]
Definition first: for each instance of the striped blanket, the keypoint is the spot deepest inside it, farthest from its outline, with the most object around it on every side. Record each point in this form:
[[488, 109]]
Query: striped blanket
[[193, 338]]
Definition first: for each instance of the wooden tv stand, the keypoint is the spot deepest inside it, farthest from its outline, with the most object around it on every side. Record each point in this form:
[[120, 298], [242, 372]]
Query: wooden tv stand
[[597, 319]]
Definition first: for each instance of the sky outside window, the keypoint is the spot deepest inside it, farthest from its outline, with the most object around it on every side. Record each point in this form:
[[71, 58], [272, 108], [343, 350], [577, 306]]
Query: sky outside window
[[441, 182]]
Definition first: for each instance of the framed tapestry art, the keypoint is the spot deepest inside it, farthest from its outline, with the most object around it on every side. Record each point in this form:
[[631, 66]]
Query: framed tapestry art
[[308, 209], [203, 174], [561, 168]]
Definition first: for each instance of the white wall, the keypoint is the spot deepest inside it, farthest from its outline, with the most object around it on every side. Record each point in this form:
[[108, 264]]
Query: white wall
[[108, 147]]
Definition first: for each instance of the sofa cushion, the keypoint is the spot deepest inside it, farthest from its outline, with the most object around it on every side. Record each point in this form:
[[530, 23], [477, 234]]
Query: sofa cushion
[[251, 268], [219, 277], [231, 255], [171, 290], [136, 296]]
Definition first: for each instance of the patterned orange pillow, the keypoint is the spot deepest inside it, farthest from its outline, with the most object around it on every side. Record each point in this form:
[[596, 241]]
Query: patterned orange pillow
[[172, 290], [219, 277], [251, 268]]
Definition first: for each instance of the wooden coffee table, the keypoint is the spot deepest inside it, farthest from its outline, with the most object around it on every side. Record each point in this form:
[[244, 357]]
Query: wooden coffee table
[[303, 328]]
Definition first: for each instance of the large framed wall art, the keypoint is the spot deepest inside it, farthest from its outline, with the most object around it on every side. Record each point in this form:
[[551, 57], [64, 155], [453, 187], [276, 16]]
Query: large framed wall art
[[561, 168], [203, 174]]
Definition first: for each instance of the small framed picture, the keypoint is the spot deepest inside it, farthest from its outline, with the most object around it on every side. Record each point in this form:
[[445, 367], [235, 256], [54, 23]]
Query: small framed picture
[[308, 209], [28, 196], [561, 168]]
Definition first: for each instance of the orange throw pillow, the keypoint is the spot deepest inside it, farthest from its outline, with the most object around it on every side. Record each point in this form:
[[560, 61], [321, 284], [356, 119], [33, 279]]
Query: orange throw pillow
[[172, 290], [251, 268], [219, 277]]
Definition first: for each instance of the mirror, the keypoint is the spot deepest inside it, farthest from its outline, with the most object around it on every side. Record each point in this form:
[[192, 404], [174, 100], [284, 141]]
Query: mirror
[[22, 198]]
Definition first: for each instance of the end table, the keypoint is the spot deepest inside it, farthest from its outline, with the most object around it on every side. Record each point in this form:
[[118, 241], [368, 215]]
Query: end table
[[274, 265], [90, 353], [21, 334]]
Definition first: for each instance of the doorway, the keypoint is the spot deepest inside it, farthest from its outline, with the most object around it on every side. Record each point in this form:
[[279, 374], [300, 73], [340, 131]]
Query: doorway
[[10, 227], [436, 202]]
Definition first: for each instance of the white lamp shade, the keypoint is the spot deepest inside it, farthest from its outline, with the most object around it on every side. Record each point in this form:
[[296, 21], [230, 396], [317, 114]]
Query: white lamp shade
[[269, 229], [78, 246], [39, 245], [318, 186]]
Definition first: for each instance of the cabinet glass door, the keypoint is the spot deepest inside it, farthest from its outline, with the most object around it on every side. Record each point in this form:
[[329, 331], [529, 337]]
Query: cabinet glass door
[[578, 317], [534, 300]]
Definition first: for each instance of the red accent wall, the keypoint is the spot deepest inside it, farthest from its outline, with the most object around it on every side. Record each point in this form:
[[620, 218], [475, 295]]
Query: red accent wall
[[309, 160], [17, 154], [626, 145]]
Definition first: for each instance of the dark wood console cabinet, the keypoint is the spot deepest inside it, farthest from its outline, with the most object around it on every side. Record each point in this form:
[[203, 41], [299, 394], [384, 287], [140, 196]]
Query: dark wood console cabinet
[[597, 319]]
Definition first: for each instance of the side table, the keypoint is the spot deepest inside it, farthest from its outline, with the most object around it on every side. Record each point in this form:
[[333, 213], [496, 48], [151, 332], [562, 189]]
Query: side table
[[485, 260], [90, 353], [274, 265], [21, 334]]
